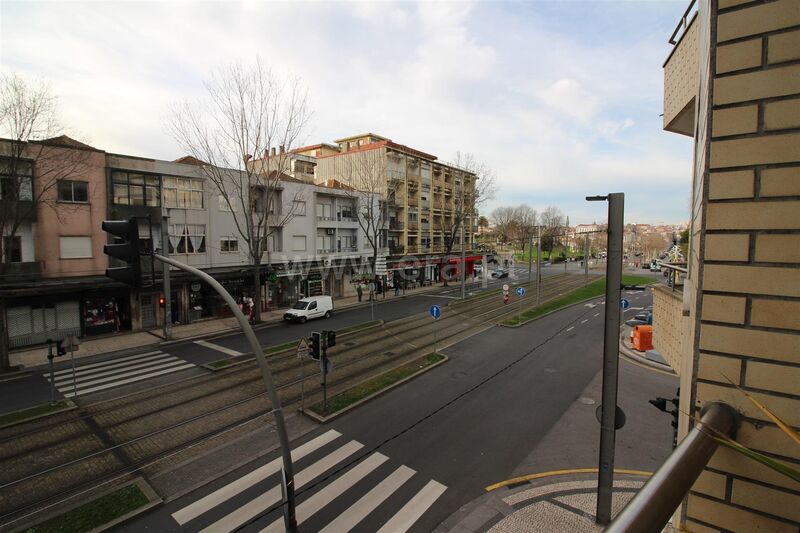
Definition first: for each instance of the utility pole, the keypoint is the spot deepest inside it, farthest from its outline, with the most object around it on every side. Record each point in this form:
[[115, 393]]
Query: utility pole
[[586, 249], [608, 417], [167, 286], [530, 259], [538, 262], [463, 265]]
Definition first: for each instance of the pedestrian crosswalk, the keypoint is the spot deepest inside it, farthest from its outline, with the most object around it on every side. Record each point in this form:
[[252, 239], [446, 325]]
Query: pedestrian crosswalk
[[391, 497], [115, 372]]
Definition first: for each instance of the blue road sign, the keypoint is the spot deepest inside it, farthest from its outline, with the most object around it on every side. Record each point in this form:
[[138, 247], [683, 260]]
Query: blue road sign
[[624, 304], [520, 291], [435, 311]]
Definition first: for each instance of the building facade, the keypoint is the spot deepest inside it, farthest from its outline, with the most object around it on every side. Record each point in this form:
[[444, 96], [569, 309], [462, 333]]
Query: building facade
[[732, 83]]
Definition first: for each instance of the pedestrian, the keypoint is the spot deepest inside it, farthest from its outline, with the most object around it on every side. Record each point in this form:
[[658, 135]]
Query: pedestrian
[[505, 298], [396, 288], [360, 291]]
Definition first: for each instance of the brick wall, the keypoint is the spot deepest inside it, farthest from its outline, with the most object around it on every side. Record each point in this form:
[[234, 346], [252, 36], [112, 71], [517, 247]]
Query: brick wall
[[749, 280]]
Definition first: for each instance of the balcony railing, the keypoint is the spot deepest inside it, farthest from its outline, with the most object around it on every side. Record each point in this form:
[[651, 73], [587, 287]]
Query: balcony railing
[[413, 202], [325, 250], [397, 250], [20, 271], [326, 219], [348, 249], [413, 226], [396, 225]]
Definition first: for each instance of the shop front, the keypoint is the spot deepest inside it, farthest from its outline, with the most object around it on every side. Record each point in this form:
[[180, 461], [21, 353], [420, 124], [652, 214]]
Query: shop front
[[33, 320], [104, 313], [205, 302]]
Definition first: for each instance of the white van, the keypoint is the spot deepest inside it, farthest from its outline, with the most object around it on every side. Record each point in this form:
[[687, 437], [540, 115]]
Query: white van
[[308, 308]]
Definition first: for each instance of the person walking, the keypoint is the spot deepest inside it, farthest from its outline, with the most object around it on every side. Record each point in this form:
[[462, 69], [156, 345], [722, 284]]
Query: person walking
[[396, 288], [360, 292]]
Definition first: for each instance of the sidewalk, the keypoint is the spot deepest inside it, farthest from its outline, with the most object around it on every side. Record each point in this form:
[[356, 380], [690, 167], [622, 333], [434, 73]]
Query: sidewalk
[[28, 358]]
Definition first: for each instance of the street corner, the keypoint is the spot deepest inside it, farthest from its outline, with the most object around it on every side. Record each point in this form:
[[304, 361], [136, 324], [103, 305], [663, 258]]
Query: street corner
[[553, 502], [650, 359]]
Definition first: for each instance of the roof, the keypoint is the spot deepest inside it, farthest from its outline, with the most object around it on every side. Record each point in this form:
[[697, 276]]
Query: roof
[[190, 160], [67, 142], [335, 184], [380, 144], [314, 147], [369, 134]]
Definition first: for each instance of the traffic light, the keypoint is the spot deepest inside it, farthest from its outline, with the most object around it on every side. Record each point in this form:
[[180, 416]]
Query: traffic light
[[127, 250], [316, 346], [162, 302], [60, 348], [331, 339]]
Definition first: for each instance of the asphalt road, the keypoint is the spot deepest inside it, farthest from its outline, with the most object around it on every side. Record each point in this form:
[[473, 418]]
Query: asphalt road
[[429, 447], [116, 374]]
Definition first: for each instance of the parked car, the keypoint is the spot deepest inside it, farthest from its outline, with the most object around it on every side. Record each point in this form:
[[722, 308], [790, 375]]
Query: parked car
[[497, 274], [308, 308], [654, 267]]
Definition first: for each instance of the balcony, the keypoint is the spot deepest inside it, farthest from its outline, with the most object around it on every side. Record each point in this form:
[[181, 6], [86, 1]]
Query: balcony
[[670, 326], [413, 202], [681, 75], [413, 226], [396, 225], [21, 271], [322, 251], [397, 249]]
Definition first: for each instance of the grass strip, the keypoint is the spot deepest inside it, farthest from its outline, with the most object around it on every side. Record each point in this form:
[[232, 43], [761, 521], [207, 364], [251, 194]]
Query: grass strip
[[31, 412], [359, 327], [96, 512], [378, 383], [592, 290]]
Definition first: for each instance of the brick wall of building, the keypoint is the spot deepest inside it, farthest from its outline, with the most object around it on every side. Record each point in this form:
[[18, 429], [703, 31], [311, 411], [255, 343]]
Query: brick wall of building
[[749, 283]]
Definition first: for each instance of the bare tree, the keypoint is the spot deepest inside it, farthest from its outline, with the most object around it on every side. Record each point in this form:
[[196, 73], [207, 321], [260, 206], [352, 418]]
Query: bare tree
[[552, 221], [524, 228], [244, 131], [362, 176], [504, 220], [33, 159], [477, 185]]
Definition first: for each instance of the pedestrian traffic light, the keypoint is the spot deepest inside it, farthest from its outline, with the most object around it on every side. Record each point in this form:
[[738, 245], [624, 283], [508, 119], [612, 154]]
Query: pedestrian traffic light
[[316, 346], [162, 301], [331, 341], [127, 250]]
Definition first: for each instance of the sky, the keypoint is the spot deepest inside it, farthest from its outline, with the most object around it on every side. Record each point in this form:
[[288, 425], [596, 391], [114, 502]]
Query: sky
[[562, 99]]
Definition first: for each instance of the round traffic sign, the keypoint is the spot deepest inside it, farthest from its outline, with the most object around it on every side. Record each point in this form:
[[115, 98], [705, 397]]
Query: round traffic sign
[[505, 288], [520, 291], [624, 304], [435, 311]]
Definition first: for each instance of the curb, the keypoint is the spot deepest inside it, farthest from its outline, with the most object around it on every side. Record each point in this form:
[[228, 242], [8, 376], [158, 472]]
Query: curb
[[324, 419], [635, 356], [70, 405], [549, 312]]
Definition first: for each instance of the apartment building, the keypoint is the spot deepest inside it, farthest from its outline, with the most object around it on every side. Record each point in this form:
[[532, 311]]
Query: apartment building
[[53, 281], [732, 83], [425, 200]]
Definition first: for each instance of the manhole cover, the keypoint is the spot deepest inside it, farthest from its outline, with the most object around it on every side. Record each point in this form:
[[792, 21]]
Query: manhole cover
[[388, 354], [550, 370], [586, 401], [349, 344]]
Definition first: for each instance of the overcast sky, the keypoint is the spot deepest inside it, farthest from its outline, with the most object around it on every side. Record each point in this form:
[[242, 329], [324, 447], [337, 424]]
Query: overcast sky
[[562, 99]]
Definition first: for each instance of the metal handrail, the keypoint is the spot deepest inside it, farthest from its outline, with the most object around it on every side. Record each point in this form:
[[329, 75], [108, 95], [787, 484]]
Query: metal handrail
[[655, 502], [682, 23]]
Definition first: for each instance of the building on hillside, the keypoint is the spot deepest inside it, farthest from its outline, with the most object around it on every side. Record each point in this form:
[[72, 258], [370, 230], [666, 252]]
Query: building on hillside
[[732, 83]]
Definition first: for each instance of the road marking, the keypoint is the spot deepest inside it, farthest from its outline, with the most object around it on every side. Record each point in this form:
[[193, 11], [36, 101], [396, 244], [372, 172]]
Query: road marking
[[129, 380], [258, 505], [195, 509], [322, 498], [108, 362], [415, 508], [118, 367], [443, 296], [570, 328], [585, 320], [370, 501], [596, 314], [84, 381], [540, 475], [217, 347]]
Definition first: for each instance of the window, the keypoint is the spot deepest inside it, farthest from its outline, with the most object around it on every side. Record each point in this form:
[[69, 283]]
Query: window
[[183, 193], [187, 238], [312, 305], [225, 207], [229, 244], [299, 207], [73, 191], [347, 243], [346, 212], [129, 188], [299, 243], [12, 248], [16, 179], [324, 211], [76, 247]]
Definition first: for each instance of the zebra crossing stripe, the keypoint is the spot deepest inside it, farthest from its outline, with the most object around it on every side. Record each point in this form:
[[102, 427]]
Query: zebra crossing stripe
[[129, 380], [195, 509], [107, 362], [415, 508], [256, 506], [100, 372], [96, 380], [336, 488], [370, 501]]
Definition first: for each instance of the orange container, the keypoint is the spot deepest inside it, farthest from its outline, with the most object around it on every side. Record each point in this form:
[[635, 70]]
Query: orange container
[[643, 338]]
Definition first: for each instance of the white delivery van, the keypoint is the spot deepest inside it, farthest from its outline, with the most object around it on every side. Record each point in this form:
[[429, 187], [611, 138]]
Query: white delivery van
[[308, 308]]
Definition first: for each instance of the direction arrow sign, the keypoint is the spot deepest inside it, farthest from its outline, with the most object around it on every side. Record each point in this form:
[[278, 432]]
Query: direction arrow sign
[[624, 304], [435, 311], [520, 291]]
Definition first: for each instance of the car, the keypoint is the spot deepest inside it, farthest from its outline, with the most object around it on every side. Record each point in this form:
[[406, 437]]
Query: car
[[497, 274], [654, 267], [308, 308]]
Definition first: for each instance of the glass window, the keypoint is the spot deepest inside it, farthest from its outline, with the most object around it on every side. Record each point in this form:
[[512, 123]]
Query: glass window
[[187, 238], [136, 189], [73, 191], [229, 244], [183, 193], [12, 249], [15, 179]]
